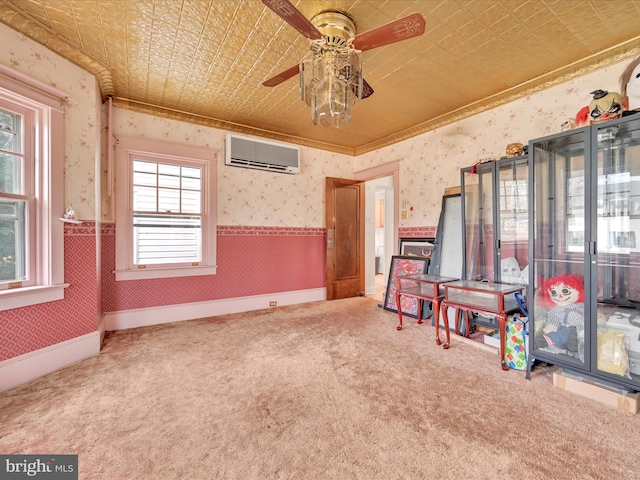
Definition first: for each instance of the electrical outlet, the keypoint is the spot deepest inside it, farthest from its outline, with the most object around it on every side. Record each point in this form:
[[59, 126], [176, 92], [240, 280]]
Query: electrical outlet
[[273, 304], [404, 214]]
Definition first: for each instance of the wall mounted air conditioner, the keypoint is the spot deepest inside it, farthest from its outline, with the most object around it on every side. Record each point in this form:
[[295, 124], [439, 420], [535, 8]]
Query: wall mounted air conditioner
[[253, 153]]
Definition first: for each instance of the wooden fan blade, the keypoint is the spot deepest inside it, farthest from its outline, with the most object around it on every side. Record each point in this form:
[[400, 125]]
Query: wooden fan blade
[[291, 15], [396, 31], [282, 76], [367, 91]]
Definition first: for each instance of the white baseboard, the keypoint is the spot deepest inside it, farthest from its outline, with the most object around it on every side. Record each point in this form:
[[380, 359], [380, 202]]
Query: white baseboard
[[370, 290], [24, 368], [174, 313]]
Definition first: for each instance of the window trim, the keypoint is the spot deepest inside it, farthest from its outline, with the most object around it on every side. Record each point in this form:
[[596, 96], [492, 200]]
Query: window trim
[[47, 105], [126, 149], [28, 192]]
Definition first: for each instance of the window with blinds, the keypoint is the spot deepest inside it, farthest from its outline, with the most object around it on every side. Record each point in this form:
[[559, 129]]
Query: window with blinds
[[167, 213], [165, 209]]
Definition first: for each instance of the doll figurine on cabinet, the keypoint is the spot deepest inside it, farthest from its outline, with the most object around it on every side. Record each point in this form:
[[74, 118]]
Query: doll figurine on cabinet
[[564, 295]]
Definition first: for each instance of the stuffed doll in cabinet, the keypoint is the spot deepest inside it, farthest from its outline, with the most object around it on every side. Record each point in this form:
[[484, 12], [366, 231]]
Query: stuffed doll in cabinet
[[564, 295]]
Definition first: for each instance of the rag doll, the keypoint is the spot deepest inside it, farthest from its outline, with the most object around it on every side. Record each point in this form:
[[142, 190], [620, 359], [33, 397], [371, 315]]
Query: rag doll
[[564, 295]]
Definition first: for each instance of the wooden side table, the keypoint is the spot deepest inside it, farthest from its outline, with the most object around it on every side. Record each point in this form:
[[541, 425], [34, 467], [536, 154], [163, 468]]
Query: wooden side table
[[423, 287], [482, 297]]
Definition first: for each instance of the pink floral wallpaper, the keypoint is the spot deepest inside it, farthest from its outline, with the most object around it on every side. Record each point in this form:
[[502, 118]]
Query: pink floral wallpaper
[[82, 125]]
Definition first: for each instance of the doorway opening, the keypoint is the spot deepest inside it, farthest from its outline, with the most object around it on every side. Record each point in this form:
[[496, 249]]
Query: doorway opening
[[381, 224], [378, 235]]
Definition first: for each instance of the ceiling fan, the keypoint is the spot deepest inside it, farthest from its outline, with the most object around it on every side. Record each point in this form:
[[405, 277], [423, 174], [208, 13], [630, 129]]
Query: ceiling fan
[[331, 72]]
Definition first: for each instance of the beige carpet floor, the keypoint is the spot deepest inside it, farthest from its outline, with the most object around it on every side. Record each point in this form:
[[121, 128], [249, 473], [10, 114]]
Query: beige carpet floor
[[326, 390]]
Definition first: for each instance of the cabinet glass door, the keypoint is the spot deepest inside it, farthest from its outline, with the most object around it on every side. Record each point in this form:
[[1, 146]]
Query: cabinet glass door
[[513, 220], [557, 207], [617, 344], [477, 185]]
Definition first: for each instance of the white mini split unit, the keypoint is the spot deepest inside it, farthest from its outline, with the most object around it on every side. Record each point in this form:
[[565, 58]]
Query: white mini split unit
[[261, 154]]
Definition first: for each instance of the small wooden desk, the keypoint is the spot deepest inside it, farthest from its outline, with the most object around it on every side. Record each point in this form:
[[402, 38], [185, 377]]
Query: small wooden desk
[[425, 287], [482, 297]]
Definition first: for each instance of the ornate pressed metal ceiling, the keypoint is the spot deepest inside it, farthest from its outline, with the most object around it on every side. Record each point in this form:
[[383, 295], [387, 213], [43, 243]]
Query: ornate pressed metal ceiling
[[205, 60]]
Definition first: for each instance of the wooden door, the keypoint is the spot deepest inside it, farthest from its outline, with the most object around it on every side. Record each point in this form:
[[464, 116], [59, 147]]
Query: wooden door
[[345, 238]]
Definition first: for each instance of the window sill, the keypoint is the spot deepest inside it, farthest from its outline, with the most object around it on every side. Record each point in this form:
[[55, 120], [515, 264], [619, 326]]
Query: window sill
[[148, 273], [26, 296]]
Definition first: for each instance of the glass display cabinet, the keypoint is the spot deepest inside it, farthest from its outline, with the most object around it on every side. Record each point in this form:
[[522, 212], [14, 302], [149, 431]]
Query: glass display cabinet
[[495, 221], [495, 224], [584, 284]]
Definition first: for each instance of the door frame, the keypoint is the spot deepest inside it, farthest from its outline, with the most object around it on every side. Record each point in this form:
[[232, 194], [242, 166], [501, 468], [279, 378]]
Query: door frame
[[389, 169]]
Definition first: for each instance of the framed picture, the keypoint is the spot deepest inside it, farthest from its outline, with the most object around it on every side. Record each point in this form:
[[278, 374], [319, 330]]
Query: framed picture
[[419, 247], [404, 265]]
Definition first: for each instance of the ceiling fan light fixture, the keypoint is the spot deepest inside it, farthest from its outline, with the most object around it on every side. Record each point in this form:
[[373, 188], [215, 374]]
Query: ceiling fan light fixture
[[330, 103], [331, 87], [331, 72]]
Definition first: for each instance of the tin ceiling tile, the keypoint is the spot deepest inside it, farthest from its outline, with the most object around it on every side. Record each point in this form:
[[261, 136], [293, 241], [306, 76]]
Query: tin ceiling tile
[[210, 57]]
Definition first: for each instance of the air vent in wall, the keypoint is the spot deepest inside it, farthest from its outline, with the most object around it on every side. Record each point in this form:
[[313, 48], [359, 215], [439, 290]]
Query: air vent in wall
[[250, 152]]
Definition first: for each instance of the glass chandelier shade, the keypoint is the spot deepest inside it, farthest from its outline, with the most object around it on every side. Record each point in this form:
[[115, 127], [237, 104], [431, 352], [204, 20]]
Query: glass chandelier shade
[[331, 82]]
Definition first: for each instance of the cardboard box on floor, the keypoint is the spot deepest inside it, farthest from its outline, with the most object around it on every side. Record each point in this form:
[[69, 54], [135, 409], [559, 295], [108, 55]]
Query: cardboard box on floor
[[629, 402]]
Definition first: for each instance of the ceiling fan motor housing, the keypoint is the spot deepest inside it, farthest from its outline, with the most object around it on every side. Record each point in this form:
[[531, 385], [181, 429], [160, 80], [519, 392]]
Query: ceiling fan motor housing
[[336, 27]]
